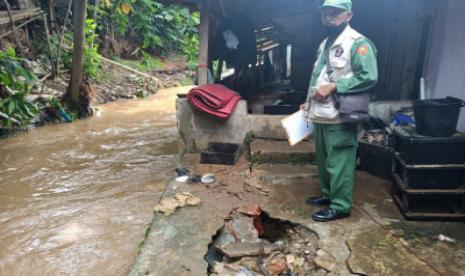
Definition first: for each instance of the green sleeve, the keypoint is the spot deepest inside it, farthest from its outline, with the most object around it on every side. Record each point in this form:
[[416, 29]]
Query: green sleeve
[[365, 67]]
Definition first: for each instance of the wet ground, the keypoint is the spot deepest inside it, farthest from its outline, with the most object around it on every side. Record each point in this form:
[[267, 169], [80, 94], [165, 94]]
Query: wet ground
[[375, 240], [75, 199]]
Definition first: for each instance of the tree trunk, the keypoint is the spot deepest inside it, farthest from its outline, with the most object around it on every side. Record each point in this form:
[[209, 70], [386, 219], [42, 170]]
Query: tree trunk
[[72, 98]]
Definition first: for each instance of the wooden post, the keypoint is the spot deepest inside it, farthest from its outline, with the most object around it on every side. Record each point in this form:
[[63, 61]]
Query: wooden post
[[13, 27], [51, 14], [72, 97], [204, 41], [47, 36]]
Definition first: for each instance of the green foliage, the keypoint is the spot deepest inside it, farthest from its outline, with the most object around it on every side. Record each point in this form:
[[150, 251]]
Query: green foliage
[[13, 74], [191, 50], [92, 65], [55, 103], [65, 54], [17, 81], [147, 64], [16, 108], [140, 244], [153, 26], [249, 137]]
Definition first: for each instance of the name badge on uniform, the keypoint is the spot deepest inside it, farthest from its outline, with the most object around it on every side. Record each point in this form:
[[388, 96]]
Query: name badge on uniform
[[339, 52]]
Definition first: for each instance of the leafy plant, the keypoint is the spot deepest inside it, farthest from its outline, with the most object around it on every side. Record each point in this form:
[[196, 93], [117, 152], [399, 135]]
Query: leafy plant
[[156, 28], [12, 74], [92, 65], [16, 109], [15, 82]]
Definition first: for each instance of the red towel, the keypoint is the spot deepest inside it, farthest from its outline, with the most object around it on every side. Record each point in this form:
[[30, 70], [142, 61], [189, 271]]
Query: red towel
[[214, 99]]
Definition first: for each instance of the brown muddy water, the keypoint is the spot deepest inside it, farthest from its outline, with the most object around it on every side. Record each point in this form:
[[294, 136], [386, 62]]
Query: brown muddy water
[[75, 199]]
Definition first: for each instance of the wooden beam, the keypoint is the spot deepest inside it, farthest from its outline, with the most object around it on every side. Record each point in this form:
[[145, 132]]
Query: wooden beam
[[13, 28], [18, 15], [20, 26], [49, 45], [204, 41]]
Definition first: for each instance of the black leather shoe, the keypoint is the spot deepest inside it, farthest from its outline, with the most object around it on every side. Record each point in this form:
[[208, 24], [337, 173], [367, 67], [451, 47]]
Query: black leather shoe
[[329, 214], [318, 201]]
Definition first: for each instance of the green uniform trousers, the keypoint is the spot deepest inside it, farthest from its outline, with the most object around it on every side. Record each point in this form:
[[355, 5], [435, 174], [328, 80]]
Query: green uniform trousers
[[336, 150]]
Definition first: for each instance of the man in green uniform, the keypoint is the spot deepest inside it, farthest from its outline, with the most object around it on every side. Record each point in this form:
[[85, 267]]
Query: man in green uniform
[[346, 63]]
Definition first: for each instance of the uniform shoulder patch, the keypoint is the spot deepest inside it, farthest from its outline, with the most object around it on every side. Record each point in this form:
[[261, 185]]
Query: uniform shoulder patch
[[362, 50]]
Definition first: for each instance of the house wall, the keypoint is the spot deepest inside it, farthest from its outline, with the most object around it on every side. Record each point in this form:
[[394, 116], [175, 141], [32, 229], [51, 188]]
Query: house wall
[[445, 74]]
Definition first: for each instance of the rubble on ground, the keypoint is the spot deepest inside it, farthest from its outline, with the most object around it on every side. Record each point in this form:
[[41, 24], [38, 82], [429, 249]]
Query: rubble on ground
[[168, 205], [252, 243]]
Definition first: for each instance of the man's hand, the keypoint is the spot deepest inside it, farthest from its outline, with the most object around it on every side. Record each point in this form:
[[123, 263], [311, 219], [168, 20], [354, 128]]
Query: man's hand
[[302, 106], [324, 91]]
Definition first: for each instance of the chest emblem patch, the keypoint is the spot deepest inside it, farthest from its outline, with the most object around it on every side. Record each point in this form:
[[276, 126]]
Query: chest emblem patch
[[362, 50], [339, 52]]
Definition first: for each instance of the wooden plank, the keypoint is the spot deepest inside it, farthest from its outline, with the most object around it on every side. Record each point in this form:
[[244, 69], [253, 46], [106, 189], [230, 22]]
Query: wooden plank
[[13, 27], [20, 26], [18, 15], [49, 45], [130, 69]]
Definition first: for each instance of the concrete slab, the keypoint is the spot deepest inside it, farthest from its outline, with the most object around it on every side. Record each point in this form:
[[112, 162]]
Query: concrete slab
[[375, 240], [280, 152]]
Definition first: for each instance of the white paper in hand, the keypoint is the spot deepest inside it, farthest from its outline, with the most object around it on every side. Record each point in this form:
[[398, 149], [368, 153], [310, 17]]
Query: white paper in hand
[[297, 128]]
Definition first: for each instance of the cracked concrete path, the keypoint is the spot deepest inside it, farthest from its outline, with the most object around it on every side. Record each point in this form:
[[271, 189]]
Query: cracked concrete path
[[375, 240]]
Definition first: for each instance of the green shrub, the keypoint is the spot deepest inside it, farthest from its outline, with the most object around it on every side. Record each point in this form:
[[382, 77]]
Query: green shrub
[[15, 82]]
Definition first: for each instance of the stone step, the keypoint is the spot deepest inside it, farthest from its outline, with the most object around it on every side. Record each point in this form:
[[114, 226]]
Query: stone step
[[280, 152], [282, 174]]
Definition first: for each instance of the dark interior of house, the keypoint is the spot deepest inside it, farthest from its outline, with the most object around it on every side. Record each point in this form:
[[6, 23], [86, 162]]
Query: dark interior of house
[[265, 49]]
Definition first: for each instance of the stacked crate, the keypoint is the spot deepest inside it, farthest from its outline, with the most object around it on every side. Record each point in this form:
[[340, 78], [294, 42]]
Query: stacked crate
[[429, 175]]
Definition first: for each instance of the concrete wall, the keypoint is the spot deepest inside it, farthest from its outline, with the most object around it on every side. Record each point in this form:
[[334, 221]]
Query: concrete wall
[[197, 129], [446, 69]]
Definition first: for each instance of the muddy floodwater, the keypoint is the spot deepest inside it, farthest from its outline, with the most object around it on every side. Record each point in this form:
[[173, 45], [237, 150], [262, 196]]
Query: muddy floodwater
[[75, 199]]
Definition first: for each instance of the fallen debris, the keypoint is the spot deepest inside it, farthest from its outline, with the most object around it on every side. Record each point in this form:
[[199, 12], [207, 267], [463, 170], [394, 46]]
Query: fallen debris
[[445, 238], [325, 261], [208, 178], [242, 249], [282, 248], [167, 206], [182, 179]]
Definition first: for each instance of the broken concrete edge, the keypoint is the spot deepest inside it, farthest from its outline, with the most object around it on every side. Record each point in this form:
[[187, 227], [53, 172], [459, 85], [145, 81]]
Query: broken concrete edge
[[139, 264]]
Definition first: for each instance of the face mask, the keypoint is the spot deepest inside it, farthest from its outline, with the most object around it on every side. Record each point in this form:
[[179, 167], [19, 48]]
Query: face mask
[[335, 30]]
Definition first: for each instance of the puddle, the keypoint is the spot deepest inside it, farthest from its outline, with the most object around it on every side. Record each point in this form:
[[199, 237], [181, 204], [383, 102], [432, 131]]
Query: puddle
[[252, 244]]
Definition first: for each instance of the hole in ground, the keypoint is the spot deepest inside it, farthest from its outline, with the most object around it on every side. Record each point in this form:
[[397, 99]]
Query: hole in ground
[[262, 245]]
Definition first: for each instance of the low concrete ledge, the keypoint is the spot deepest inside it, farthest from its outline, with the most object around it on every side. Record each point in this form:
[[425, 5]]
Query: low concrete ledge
[[196, 129]]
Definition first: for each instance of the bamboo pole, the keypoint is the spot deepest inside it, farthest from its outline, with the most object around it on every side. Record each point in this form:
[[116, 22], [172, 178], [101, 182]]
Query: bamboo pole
[[49, 45], [130, 69], [62, 37], [20, 26], [12, 22]]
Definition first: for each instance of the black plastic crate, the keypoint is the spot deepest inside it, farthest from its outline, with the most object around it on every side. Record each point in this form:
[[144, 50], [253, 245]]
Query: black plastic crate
[[429, 178], [220, 153], [429, 204], [418, 149], [376, 159]]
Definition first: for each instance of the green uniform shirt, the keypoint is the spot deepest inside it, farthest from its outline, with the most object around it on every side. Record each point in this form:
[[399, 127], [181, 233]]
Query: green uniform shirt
[[364, 67]]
